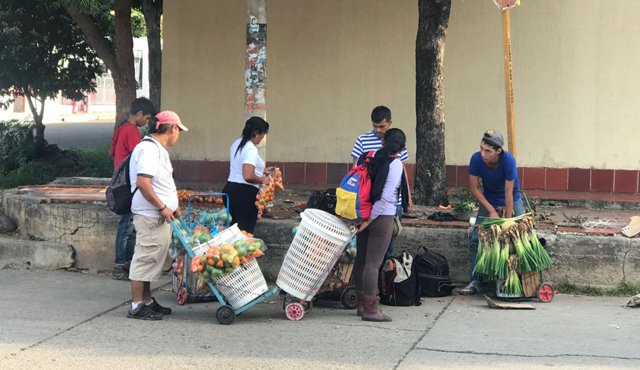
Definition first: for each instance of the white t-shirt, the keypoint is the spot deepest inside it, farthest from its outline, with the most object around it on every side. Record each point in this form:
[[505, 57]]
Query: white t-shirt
[[247, 155], [152, 159]]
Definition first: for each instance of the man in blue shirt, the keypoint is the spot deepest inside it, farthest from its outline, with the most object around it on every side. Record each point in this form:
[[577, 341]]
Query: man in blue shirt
[[500, 191]]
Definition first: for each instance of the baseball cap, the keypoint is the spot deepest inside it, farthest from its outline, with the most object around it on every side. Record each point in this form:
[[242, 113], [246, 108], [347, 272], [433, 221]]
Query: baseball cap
[[168, 117], [493, 136]]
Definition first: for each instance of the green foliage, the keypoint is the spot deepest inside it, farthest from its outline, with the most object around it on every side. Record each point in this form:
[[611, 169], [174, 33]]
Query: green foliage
[[138, 26], [104, 16], [33, 173], [98, 162], [464, 202], [43, 52], [91, 7], [17, 144]]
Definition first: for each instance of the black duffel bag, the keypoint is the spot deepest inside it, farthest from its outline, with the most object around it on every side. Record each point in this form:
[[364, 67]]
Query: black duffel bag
[[433, 274], [324, 200]]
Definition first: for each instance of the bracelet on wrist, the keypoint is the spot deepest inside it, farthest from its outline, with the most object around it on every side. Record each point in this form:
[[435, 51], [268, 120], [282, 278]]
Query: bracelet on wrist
[[162, 209]]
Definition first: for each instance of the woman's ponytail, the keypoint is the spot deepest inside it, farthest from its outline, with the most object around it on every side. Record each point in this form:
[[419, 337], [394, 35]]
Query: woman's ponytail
[[393, 143], [253, 126]]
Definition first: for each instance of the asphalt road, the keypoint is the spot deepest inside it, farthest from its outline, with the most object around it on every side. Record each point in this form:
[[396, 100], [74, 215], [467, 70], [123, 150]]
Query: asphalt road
[[63, 320], [79, 135]]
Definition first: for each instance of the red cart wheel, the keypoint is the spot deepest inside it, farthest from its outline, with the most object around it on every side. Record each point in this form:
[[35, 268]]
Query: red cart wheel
[[545, 293], [294, 311], [182, 296]]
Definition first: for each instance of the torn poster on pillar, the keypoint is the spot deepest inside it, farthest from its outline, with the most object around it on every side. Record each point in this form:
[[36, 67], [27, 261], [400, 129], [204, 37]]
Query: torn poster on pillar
[[256, 67]]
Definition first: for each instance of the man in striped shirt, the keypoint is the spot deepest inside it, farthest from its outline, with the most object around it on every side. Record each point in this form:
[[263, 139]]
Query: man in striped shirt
[[372, 140]]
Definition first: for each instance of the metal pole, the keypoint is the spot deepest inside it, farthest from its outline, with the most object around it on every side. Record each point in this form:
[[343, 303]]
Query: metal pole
[[508, 81]]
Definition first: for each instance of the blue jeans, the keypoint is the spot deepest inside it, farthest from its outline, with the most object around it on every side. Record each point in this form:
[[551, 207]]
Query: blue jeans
[[125, 239], [518, 209]]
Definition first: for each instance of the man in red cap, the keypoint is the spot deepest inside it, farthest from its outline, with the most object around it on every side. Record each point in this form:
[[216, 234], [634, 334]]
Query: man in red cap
[[153, 206]]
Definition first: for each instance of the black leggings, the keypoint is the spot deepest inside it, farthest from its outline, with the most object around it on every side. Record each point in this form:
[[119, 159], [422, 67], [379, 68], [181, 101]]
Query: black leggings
[[372, 246], [242, 198]]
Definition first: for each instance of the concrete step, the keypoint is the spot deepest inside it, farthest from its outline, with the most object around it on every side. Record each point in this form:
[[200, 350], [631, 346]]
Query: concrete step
[[18, 253], [582, 259], [90, 228]]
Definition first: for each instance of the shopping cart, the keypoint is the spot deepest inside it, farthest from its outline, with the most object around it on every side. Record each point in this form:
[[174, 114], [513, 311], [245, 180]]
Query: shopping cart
[[187, 286], [318, 243], [338, 285], [237, 291]]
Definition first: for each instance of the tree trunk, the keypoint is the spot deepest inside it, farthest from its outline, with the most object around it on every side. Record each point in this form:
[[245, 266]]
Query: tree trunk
[[430, 187], [152, 9], [95, 37], [120, 60], [37, 118], [124, 81]]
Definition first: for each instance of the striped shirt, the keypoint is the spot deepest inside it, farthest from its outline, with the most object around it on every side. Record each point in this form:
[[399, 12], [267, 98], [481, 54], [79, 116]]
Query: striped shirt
[[369, 141]]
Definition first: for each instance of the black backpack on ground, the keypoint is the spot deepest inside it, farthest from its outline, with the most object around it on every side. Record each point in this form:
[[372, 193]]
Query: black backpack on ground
[[433, 274], [324, 200], [405, 292], [119, 195]]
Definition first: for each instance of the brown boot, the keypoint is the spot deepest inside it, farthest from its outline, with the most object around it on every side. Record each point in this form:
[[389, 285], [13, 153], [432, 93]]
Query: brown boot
[[370, 311], [359, 310]]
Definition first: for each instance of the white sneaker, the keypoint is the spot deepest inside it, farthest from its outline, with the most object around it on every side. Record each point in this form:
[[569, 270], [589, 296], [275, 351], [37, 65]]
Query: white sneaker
[[472, 288]]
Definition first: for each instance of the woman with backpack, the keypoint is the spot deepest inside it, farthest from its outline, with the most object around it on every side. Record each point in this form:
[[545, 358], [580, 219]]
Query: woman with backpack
[[387, 183], [247, 172]]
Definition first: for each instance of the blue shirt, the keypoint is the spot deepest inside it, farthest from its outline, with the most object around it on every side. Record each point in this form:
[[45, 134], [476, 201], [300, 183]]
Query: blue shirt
[[493, 179]]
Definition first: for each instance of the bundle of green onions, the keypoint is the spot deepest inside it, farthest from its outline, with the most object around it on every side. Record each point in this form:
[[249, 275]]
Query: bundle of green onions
[[502, 238], [483, 258], [512, 284], [490, 261], [542, 257]]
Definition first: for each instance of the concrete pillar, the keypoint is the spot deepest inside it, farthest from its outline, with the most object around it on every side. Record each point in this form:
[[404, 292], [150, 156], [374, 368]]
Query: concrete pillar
[[256, 64]]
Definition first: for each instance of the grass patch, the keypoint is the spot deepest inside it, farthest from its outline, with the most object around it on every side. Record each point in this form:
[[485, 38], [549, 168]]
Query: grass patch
[[623, 289], [94, 162], [99, 163], [33, 173]]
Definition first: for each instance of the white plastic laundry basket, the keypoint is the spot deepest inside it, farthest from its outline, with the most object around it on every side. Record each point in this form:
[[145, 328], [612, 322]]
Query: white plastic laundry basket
[[317, 245], [243, 285]]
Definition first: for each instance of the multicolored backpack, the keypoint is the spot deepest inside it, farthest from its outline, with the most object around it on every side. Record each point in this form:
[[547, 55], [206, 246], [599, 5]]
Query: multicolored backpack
[[353, 196]]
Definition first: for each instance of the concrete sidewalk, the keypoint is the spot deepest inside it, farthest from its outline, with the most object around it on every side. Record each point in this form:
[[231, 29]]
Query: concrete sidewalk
[[57, 319]]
